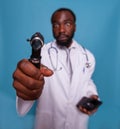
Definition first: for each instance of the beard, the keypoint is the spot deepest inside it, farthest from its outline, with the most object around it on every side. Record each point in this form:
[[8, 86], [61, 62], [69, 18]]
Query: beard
[[64, 40], [64, 43]]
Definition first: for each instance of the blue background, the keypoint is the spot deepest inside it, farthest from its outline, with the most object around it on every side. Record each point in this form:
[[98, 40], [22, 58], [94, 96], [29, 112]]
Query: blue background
[[98, 29]]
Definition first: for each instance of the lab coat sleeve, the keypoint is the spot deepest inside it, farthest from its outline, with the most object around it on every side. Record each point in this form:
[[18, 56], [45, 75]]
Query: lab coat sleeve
[[23, 106], [92, 90]]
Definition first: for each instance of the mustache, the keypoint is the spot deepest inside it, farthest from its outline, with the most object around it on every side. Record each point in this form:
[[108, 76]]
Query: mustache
[[62, 35]]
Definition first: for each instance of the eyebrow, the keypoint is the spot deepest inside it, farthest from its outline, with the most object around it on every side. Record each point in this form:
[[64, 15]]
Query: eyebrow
[[54, 21]]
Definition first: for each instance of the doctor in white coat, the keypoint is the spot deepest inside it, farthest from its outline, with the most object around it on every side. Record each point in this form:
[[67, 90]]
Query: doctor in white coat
[[58, 87]]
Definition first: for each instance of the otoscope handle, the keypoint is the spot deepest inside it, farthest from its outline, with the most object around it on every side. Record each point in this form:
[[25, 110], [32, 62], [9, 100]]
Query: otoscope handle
[[35, 61]]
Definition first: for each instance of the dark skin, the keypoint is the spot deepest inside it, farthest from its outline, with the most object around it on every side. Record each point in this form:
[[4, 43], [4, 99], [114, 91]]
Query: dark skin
[[63, 27], [28, 80]]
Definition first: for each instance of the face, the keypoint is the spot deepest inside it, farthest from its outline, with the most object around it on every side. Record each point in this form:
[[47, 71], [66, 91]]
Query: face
[[63, 27]]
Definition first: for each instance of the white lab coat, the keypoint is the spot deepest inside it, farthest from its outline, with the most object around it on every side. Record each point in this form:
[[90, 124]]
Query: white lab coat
[[56, 107]]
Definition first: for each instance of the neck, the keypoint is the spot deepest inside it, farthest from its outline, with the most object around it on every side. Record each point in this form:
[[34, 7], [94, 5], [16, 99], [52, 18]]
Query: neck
[[69, 44]]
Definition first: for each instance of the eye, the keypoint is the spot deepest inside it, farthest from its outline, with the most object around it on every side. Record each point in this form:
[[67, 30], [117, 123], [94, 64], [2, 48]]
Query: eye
[[68, 24], [55, 25]]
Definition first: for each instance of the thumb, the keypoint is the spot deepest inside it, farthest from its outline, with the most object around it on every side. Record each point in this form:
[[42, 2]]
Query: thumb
[[46, 71]]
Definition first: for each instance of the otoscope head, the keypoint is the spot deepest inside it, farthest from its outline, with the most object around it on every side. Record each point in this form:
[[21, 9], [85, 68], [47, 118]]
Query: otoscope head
[[36, 41]]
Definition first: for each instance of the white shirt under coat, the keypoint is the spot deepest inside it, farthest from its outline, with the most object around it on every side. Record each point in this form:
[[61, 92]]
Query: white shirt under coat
[[56, 107]]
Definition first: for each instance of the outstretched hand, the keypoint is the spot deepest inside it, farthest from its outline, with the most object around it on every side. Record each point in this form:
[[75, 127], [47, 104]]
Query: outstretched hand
[[28, 80]]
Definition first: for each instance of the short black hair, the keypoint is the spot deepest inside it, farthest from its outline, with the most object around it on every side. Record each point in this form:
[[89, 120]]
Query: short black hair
[[64, 9]]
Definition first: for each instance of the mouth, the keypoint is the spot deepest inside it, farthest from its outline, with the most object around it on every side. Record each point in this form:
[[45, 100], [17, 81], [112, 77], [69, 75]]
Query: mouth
[[62, 37]]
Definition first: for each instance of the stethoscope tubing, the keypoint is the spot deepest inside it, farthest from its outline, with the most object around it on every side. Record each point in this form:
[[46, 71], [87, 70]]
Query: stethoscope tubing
[[88, 64]]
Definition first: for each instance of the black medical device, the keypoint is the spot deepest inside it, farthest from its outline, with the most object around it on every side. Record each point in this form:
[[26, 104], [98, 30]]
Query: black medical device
[[89, 103], [37, 42]]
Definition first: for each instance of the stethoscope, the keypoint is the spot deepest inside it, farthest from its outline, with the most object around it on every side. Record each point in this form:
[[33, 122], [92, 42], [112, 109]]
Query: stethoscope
[[55, 65], [88, 64]]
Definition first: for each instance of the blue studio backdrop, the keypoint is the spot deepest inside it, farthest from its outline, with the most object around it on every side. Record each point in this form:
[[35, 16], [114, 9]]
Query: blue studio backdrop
[[98, 29]]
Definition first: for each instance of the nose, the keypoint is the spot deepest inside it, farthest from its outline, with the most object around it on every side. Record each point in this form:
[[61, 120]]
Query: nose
[[62, 28]]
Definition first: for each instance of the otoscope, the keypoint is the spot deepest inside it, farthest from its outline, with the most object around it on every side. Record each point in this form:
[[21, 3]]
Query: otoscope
[[36, 42]]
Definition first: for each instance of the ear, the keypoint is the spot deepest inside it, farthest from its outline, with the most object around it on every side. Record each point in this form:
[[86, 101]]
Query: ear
[[75, 27]]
